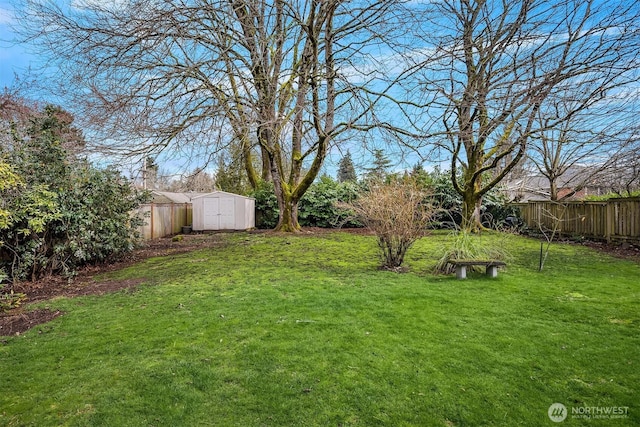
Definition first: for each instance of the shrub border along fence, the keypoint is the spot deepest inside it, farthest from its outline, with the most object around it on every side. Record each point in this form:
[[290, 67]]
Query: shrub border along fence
[[612, 220], [164, 219]]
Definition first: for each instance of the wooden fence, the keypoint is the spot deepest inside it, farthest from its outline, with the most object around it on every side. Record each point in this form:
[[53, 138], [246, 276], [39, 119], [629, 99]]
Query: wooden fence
[[615, 219], [164, 219]]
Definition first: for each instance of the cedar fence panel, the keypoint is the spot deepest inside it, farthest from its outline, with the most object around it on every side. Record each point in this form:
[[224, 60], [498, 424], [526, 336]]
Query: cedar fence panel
[[614, 219], [164, 219]]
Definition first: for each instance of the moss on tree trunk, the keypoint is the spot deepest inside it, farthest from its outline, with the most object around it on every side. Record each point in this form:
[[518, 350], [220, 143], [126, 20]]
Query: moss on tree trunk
[[288, 217]]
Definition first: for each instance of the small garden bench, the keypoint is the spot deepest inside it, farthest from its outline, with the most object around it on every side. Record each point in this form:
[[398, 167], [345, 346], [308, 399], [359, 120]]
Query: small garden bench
[[461, 267]]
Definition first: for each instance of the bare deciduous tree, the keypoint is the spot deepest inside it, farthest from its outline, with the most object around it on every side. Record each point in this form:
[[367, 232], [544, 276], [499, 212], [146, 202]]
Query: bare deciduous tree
[[15, 112], [198, 181], [274, 77], [579, 138], [490, 67], [626, 165]]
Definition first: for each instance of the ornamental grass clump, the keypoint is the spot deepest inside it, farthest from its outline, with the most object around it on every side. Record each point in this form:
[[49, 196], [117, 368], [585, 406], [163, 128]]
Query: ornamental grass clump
[[398, 212], [469, 246]]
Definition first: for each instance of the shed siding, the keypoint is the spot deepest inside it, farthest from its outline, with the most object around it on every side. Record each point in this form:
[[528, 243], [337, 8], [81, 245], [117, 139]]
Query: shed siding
[[223, 211], [163, 219]]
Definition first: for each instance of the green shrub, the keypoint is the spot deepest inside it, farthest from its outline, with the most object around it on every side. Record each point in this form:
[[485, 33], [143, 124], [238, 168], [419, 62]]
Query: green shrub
[[60, 212], [87, 220], [318, 207], [495, 204], [323, 203], [266, 205], [497, 209], [608, 196], [95, 222], [8, 298]]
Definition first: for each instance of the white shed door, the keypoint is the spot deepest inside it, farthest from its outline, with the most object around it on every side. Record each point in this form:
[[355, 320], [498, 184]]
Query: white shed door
[[211, 214], [227, 213]]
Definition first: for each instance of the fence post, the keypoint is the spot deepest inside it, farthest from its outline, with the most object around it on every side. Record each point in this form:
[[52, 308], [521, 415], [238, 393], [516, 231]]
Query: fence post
[[151, 220], [609, 221]]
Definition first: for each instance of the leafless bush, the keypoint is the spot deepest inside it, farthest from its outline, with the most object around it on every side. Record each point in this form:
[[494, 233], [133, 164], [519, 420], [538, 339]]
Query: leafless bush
[[398, 213]]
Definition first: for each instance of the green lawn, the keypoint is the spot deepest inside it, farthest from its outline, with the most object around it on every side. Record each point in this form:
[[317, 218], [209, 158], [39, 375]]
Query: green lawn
[[304, 331]]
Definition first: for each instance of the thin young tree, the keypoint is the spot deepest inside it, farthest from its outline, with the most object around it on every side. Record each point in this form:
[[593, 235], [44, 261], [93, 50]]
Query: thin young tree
[[489, 67], [279, 78]]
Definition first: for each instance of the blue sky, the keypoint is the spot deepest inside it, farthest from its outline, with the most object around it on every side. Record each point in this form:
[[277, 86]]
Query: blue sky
[[13, 58]]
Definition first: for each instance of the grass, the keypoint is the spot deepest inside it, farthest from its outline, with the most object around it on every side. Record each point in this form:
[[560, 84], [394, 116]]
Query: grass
[[305, 331]]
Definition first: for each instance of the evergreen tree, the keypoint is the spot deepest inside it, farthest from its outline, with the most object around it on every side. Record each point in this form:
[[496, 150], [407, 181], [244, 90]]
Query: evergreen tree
[[420, 176], [380, 165], [230, 175], [346, 170]]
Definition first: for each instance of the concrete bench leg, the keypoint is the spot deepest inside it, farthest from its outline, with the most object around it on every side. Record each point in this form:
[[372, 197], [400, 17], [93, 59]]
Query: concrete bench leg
[[461, 272], [492, 271]]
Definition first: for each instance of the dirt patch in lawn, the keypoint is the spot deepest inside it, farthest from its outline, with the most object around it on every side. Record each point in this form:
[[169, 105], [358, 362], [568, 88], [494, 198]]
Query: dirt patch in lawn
[[619, 250], [60, 287], [84, 283], [16, 322]]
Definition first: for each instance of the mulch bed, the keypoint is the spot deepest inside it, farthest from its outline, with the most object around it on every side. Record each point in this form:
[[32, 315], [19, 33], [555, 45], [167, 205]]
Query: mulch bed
[[20, 320]]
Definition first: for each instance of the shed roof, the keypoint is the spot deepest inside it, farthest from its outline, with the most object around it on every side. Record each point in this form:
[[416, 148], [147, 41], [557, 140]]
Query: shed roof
[[220, 193], [169, 197]]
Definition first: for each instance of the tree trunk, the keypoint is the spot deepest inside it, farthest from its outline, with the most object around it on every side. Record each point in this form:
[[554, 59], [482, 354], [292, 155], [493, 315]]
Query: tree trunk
[[266, 166], [471, 192], [287, 203], [471, 208], [288, 216], [247, 158], [553, 189]]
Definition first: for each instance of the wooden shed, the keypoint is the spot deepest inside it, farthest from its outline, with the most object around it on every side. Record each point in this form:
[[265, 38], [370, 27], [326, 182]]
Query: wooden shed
[[223, 211], [166, 214]]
